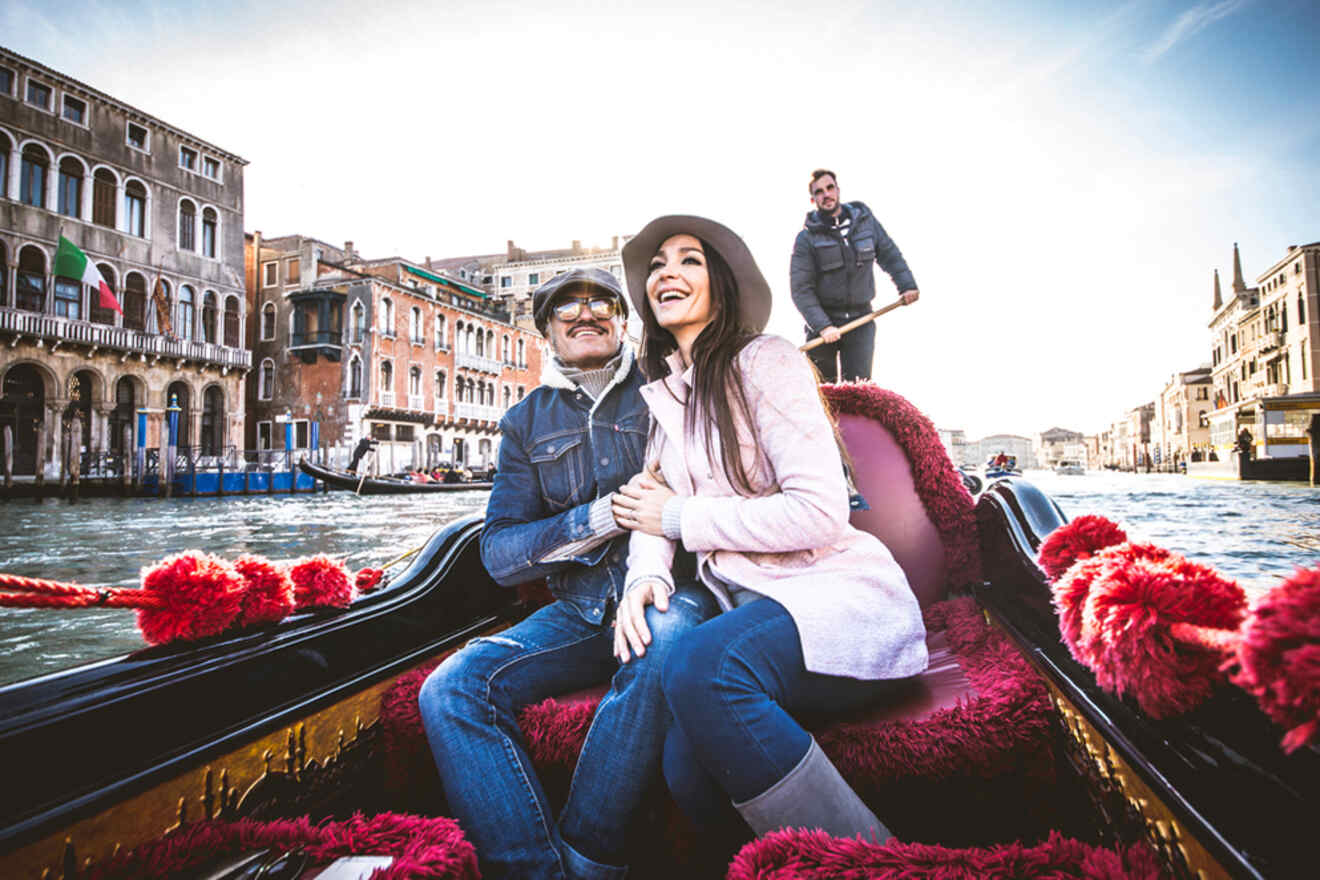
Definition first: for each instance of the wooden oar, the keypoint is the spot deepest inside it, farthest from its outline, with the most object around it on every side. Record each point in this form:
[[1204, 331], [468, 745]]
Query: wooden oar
[[855, 323], [363, 464]]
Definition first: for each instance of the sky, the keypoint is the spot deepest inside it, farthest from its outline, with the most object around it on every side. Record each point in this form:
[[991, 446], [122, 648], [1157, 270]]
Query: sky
[[1063, 178]]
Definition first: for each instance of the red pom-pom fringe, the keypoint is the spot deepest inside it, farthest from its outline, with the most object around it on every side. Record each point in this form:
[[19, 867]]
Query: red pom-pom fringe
[[269, 593], [1278, 658], [368, 579], [199, 594], [320, 581], [1080, 539]]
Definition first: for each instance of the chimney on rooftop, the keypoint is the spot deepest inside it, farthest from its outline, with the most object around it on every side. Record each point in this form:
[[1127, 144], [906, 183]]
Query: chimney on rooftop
[[428, 262], [509, 249], [348, 250], [577, 245], [614, 243]]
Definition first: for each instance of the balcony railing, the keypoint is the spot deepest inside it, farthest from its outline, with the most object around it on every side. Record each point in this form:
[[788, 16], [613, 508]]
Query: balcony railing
[[416, 401], [1271, 340], [464, 360], [320, 337], [477, 412], [387, 398], [57, 329]]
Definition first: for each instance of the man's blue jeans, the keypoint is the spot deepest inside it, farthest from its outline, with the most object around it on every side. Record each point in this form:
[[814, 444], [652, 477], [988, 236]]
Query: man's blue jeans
[[470, 706], [731, 686]]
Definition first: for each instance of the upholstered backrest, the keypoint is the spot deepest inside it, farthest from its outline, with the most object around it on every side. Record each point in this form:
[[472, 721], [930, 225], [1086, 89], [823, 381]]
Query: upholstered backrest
[[919, 507]]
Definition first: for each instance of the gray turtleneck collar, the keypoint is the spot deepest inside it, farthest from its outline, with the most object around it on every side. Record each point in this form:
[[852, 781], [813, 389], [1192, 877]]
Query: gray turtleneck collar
[[591, 381]]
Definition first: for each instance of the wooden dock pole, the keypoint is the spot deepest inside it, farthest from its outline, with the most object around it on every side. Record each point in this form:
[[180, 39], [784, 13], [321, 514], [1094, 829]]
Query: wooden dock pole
[[41, 455], [75, 457], [1313, 434]]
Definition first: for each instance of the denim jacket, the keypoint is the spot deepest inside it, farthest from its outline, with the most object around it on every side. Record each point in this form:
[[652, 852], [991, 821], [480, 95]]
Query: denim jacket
[[831, 277], [559, 452]]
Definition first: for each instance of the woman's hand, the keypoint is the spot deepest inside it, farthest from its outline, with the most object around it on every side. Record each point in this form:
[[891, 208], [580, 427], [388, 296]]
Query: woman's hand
[[640, 503], [630, 629]]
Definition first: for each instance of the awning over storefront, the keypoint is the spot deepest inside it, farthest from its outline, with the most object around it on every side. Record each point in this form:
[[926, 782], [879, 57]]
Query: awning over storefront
[[448, 282]]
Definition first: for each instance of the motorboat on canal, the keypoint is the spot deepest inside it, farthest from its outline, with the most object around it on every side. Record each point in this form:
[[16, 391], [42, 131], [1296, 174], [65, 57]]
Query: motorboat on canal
[[1005, 758], [372, 485], [1070, 467]]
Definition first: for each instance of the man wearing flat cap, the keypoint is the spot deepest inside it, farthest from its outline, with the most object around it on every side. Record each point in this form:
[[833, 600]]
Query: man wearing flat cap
[[833, 282], [565, 449]]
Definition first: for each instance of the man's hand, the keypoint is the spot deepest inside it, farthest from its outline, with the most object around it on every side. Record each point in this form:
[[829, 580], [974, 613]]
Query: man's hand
[[640, 503], [830, 334], [910, 296], [630, 629]]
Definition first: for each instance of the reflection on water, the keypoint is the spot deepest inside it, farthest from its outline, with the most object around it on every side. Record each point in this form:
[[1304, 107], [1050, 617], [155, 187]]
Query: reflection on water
[[104, 542], [1256, 532]]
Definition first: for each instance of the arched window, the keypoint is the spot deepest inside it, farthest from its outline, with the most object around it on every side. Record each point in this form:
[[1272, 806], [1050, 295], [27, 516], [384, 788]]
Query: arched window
[[505, 350], [266, 380], [185, 313], [508, 396], [490, 350], [415, 382], [104, 187], [121, 417], [439, 331], [70, 187], [387, 316], [231, 321], [268, 322], [1301, 310], [415, 325], [6, 147], [386, 377], [458, 338], [135, 301], [522, 352], [209, 223], [481, 343], [187, 225], [68, 297], [213, 421], [98, 314], [32, 279], [210, 316], [355, 377], [439, 385], [135, 209], [33, 169]]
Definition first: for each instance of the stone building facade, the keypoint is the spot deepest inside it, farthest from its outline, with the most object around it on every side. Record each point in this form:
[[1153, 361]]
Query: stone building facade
[[1060, 444], [389, 348], [1180, 428], [160, 213]]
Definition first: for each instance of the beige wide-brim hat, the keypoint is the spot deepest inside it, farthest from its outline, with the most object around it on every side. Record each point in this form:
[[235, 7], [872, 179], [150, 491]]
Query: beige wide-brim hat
[[753, 289]]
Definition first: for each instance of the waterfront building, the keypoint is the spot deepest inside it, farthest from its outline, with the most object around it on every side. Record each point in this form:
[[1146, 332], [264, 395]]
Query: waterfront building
[[1010, 444], [1265, 350], [1130, 439], [955, 443], [346, 347], [159, 212], [1180, 430], [1060, 444], [1097, 450]]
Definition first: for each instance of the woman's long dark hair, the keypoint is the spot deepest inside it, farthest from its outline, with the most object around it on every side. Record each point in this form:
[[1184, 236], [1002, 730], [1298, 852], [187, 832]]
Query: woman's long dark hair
[[718, 397]]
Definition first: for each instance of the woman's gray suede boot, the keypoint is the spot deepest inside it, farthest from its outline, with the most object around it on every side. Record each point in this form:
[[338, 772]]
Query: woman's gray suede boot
[[813, 795]]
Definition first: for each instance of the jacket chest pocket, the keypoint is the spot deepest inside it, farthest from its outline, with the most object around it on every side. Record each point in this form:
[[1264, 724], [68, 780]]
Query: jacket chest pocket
[[829, 255], [561, 469], [865, 250]]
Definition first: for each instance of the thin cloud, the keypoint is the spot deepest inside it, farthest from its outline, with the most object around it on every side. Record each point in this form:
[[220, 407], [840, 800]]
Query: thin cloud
[[1190, 23]]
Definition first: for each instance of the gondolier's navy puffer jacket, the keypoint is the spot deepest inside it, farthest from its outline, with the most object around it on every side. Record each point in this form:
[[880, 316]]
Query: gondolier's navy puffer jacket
[[831, 277], [560, 451]]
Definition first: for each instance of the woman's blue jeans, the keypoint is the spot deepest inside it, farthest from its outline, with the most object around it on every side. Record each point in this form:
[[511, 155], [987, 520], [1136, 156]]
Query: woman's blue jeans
[[470, 706], [733, 686]]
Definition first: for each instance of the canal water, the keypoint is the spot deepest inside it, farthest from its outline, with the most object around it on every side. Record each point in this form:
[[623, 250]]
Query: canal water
[[1255, 532]]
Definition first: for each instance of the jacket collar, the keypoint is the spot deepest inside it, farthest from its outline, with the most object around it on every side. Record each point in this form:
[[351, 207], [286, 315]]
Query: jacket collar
[[815, 221], [552, 377]]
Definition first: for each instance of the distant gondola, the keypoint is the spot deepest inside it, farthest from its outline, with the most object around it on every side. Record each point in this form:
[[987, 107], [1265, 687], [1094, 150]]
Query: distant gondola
[[337, 479]]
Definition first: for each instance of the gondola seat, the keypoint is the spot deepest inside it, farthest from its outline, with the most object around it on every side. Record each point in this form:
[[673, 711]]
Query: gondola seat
[[961, 755]]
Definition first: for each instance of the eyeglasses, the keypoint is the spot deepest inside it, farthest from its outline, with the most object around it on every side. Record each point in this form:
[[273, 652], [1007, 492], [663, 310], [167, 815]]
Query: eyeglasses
[[602, 308]]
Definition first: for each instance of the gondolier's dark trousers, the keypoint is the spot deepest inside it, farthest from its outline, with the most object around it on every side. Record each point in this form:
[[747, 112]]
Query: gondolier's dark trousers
[[856, 350]]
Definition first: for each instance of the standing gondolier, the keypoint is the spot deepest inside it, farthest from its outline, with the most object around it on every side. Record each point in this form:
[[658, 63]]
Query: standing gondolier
[[832, 280]]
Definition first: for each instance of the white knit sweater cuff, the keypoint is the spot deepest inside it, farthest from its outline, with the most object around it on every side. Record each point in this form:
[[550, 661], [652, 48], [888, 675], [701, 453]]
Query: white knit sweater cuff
[[671, 518]]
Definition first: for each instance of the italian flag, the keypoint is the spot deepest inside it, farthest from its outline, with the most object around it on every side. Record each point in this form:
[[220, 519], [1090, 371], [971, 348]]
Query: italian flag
[[73, 263]]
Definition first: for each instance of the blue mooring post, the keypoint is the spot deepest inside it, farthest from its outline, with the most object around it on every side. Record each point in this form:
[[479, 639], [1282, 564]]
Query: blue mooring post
[[288, 456], [314, 440], [167, 466], [140, 462]]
